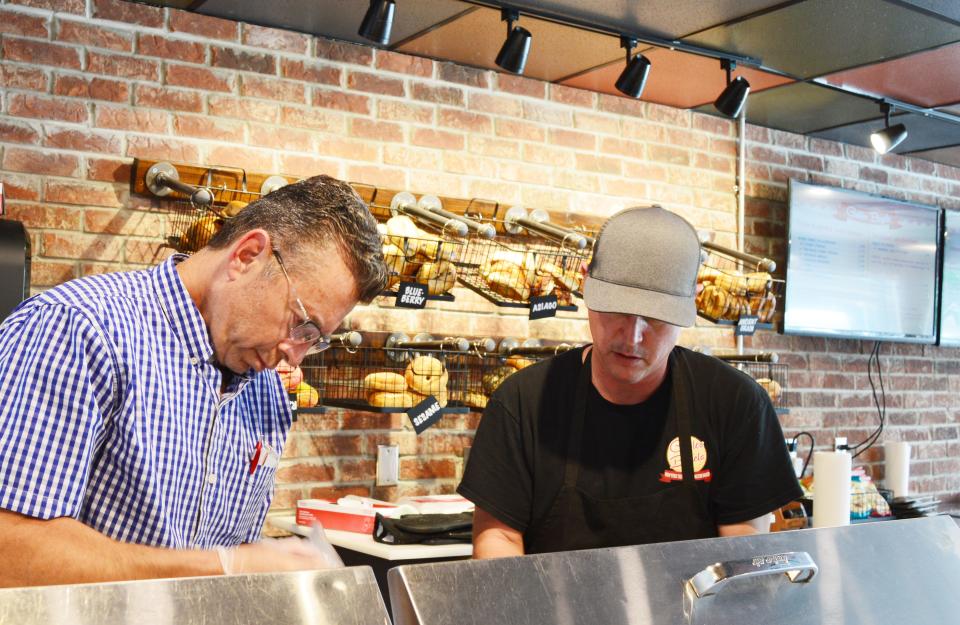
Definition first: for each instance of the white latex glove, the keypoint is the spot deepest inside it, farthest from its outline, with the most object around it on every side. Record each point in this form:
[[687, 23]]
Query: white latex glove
[[281, 554]]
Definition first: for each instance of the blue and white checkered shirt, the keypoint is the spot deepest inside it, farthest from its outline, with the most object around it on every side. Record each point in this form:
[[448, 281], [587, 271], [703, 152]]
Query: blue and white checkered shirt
[[111, 413]]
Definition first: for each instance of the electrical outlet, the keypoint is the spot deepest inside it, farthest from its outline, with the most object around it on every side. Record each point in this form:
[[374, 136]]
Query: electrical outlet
[[388, 465]]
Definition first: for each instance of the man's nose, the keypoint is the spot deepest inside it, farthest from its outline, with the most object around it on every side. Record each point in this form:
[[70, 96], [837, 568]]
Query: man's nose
[[294, 353], [635, 328]]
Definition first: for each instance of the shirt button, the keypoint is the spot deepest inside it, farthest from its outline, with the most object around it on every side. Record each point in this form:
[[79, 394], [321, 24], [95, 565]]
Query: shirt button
[[194, 360], [212, 478]]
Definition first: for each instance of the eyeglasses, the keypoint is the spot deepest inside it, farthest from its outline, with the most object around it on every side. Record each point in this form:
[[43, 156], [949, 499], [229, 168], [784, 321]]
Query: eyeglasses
[[307, 332]]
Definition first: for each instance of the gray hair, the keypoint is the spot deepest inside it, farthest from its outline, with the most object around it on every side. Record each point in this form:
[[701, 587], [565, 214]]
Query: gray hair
[[318, 211]]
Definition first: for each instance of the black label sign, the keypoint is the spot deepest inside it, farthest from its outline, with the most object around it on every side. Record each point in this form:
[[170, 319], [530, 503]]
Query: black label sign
[[746, 325], [411, 295], [425, 414], [543, 306], [292, 399]]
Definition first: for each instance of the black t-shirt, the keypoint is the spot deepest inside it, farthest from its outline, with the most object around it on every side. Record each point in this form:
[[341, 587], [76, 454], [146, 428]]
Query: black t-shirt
[[516, 464]]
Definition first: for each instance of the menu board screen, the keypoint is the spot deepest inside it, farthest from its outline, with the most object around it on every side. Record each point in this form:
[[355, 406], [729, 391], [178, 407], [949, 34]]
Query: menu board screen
[[860, 266], [950, 306]]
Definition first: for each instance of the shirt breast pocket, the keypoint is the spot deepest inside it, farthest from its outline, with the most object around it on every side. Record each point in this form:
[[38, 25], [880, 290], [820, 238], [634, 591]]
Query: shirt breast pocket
[[260, 483]]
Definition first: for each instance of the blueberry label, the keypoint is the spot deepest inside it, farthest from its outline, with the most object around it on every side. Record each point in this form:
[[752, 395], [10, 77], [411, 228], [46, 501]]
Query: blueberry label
[[412, 295]]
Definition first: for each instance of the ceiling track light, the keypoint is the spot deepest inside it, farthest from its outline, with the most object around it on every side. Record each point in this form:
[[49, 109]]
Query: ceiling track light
[[634, 76], [891, 136], [513, 55], [378, 21], [731, 100]]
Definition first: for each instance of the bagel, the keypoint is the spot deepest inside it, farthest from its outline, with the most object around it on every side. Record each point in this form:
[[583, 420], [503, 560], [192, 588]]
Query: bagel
[[386, 399], [232, 208], [519, 362], [772, 387], [707, 275], [199, 233], [569, 280], [713, 302], [543, 285], [307, 396], [492, 380], [509, 283], [758, 282], [426, 375], [439, 277], [763, 306], [442, 397], [385, 381], [733, 283]]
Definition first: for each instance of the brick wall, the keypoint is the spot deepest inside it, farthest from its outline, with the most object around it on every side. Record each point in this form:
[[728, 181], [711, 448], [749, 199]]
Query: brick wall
[[89, 84]]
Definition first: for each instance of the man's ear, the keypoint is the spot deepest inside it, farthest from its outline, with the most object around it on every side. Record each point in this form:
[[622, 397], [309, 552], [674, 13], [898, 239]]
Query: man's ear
[[248, 251]]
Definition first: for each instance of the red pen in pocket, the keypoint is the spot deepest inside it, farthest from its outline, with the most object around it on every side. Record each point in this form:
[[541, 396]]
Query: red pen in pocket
[[255, 460]]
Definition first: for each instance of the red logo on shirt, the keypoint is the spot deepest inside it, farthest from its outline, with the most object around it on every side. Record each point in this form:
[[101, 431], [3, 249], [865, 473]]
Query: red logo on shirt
[[675, 472]]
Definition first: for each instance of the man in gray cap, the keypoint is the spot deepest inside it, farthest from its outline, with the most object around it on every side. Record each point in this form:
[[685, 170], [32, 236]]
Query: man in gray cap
[[584, 450]]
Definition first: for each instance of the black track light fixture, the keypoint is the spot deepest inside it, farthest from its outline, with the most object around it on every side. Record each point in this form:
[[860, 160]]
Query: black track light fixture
[[634, 76], [731, 100], [378, 21], [513, 55], [891, 136]]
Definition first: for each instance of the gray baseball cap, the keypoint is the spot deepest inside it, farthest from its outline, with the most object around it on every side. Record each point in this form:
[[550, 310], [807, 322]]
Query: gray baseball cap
[[645, 262]]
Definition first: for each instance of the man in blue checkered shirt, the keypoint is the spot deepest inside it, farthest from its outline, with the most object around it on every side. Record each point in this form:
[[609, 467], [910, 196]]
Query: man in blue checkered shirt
[[140, 415]]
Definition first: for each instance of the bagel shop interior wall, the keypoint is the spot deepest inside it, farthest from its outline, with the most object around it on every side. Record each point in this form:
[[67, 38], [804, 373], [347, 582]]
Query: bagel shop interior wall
[[89, 85]]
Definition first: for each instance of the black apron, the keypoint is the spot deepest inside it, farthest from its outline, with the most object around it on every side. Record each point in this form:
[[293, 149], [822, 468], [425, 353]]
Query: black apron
[[577, 520]]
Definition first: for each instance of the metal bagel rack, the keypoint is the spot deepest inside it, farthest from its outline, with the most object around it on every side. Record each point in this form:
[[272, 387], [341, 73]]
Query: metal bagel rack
[[736, 284], [342, 369], [767, 370], [199, 199], [489, 361], [529, 257]]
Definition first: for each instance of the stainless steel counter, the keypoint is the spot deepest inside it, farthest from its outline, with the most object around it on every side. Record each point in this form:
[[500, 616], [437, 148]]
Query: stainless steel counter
[[337, 597], [877, 573]]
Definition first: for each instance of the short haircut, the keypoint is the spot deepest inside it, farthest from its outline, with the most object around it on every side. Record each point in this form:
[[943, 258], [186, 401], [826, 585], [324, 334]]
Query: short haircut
[[320, 211]]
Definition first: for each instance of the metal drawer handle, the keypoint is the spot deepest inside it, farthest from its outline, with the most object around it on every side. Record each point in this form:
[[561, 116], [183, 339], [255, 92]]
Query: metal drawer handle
[[798, 566]]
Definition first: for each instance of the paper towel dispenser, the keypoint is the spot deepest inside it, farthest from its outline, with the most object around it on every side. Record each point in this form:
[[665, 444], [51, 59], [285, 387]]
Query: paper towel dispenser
[[14, 266]]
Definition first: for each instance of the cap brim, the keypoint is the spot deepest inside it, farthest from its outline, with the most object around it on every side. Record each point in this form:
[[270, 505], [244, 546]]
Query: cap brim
[[603, 296]]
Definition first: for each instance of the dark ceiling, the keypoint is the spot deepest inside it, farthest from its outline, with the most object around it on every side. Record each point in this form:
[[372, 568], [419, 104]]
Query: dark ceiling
[[822, 65]]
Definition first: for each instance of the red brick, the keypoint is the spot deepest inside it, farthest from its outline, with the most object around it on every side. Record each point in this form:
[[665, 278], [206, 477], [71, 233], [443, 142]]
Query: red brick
[[411, 158], [342, 51], [308, 444], [491, 146], [13, 77], [306, 472], [766, 154], [668, 154], [21, 187], [352, 103], [82, 246], [48, 273], [508, 83], [390, 177], [430, 138], [251, 159], [145, 252], [496, 104], [349, 149], [547, 114], [336, 492], [273, 89], [25, 105], [451, 72], [573, 139], [620, 105], [465, 120], [310, 71], [203, 25], [599, 164], [558, 157], [127, 12], [572, 96], [306, 166], [404, 64], [92, 36], [82, 140], [17, 132], [82, 194], [274, 39], [200, 78], [623, 147], [41, 53], [165, 98], [374, 83], [204, 127], [224, 106], [91, 88], [23, 24], [422, 468], [43, 216], [437, 94], [600, 124], [357, 470], [668, 114], [805, 161], [382, 131], [108, 169], [314, 119], [40, 162], [124, 66], [137, 119], [285, 139], [404, 111], [515, 129], [155, 148], [167, 48], [231, 58]]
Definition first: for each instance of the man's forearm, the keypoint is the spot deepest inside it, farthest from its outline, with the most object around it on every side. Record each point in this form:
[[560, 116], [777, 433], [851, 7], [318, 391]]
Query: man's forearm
[[65, 551]]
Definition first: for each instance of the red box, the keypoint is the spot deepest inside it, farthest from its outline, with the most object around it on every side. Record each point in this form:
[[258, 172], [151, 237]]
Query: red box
[[336, 517]]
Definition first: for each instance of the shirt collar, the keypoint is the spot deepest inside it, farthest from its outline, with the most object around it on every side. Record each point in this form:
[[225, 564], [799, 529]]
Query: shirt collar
[[182, 313]]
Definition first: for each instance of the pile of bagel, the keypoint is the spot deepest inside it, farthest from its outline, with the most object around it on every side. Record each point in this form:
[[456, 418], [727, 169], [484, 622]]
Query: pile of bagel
[[204, 227], [490, 381], [424, 376], [521, 275], [292, 380], [732, 294], [414, 255]]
